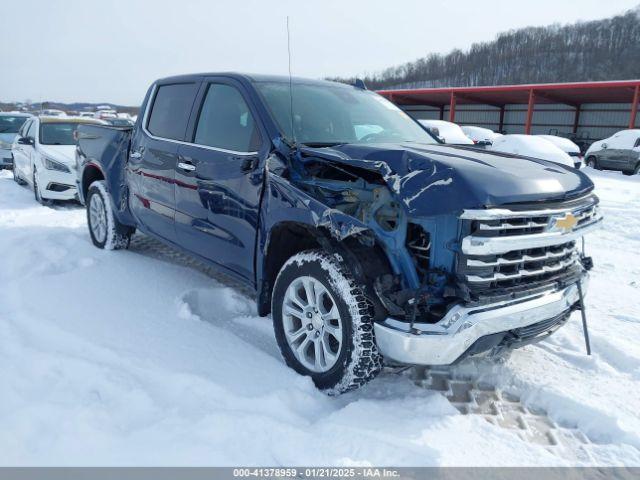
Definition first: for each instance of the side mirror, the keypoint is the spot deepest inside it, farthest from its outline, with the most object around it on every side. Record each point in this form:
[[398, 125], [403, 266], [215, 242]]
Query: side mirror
[[604, 145], [435, 131], [25, 141], [484, 143]]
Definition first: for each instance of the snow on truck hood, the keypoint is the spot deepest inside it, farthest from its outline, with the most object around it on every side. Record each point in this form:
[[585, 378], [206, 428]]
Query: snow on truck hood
[[440, 179], [60, 153]]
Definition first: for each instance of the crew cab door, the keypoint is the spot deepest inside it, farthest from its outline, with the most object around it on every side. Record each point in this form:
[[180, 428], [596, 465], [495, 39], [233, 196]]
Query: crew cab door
[[154, 155], [219, 179]]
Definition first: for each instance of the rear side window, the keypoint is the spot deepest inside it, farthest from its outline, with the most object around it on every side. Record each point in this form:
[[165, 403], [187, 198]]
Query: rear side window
[[171, 108], [226, 122]]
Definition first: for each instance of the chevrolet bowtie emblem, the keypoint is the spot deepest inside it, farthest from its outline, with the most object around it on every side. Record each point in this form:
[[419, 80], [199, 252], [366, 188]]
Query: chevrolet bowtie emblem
[[566, 223]]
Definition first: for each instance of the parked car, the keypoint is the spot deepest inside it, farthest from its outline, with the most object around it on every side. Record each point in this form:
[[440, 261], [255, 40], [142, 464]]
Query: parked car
[[447, 131], [10, 124], [479, 135], [52, 112], [531, 146], [364, 245], [105, 114], [620, 152], [119, 122], [86, 114], [44, 156], [567, 146]]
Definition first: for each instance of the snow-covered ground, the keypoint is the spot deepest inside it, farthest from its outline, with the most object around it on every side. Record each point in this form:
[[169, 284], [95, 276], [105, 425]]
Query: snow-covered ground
[[139, 358]]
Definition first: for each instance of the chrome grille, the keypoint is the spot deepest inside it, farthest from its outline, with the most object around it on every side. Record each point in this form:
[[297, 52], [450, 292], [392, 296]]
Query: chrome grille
[[531, 223], [520, 266], [524, 247]]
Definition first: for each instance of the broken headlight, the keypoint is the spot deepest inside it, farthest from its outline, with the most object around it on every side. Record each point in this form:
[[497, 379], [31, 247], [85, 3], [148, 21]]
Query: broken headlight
[[388, 216]]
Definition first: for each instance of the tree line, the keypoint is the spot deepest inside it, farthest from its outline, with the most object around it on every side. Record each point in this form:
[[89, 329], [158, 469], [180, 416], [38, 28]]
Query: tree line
[[606, 49]]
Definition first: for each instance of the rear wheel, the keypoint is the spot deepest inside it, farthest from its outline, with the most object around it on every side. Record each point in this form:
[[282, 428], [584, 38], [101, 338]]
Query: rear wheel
[[105, 229], [591, 162], [323, 322]]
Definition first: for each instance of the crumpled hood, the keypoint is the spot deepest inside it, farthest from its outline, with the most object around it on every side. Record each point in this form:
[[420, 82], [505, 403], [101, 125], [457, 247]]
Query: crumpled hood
[[61, 153], [437, 179]]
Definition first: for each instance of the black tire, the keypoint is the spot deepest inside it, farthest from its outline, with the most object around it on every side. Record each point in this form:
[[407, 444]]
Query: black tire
[[16, 176], [358, 360], [116, 235], [593, 163], [636, 171]]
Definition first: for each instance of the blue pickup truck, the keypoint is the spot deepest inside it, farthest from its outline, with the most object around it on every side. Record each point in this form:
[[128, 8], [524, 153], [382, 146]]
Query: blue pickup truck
[[365, 238]]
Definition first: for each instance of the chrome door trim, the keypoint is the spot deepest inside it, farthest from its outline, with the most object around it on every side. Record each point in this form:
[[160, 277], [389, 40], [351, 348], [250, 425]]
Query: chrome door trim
[[145, 118]]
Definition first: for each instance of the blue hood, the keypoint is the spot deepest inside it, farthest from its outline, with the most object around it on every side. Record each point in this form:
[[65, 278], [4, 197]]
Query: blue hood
[[438, 179]]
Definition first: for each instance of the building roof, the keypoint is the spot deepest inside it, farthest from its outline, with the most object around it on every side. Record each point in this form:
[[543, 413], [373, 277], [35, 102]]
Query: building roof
[[575, 93]]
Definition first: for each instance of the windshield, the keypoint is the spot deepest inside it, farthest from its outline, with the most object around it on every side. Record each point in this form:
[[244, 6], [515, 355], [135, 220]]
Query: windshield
[[58, 133], [330, 115], [10, 124]]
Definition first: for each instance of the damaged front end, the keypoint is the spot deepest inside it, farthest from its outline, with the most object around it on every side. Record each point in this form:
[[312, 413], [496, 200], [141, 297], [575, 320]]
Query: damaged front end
[[464, 271], [363, 206]]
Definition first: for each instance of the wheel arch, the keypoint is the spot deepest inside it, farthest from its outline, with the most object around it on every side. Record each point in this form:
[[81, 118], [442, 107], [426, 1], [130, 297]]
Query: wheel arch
[[90, 174], [289, 238]]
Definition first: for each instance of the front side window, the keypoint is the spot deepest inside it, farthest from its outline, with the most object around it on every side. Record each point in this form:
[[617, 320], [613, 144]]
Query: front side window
[[58, 133], [226, 122], [329, 114], [9, 124], [171, 109], [25, 128], [31, 133]]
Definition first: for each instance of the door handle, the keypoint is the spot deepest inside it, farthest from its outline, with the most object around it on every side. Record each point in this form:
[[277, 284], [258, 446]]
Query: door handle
[[187, 167]]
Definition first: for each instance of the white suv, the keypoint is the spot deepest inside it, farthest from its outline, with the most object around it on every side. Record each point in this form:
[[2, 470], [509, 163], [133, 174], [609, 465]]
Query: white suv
[[44, 156]]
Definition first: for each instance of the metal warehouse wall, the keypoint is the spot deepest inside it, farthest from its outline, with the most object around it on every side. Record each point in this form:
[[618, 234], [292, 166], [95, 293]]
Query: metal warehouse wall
[[596, 121]]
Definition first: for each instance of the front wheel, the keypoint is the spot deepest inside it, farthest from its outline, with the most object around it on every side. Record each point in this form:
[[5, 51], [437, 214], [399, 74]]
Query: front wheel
[[36, 190], [105, 229], [591, 162], [16, 175], [323, 322]]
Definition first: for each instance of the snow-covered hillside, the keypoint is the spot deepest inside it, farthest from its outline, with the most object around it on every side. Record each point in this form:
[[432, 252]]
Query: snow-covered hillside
[[142, 357]]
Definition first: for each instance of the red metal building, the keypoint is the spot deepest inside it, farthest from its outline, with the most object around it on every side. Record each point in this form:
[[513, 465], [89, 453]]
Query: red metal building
[[548, 106]]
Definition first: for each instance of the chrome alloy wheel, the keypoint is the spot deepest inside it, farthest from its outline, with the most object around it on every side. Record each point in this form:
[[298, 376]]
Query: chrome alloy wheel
[[98, 218], [312, 324]]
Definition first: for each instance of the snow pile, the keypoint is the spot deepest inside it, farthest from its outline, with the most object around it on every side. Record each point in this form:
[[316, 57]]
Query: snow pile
[[447, 131], [480, 134], [563, 143], [133, 358], [534, 146]]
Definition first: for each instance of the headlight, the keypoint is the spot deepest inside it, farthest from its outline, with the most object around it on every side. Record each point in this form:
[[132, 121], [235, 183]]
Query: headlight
[[53, 165]]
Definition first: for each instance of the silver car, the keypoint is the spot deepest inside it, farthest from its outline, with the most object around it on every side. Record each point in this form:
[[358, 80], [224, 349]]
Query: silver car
[[10, 124]]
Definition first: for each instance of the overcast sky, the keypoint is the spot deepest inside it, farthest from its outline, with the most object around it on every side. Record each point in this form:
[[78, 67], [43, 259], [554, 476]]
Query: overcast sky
[[110, 50]]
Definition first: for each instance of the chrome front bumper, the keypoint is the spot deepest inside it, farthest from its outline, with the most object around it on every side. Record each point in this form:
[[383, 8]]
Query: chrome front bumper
[[444, 342]]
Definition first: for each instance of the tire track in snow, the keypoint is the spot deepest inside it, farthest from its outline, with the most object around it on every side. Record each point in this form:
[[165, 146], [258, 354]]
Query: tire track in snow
[[472, 395]]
